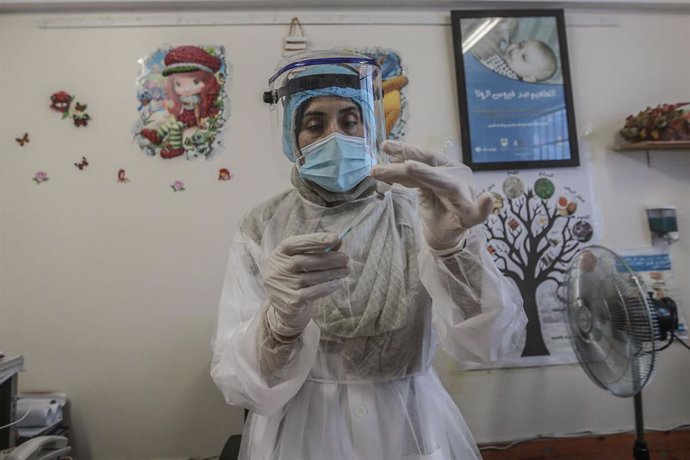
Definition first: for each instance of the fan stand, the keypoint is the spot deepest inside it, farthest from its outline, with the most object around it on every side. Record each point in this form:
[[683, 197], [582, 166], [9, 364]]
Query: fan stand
[[640, 450], [625, 315]]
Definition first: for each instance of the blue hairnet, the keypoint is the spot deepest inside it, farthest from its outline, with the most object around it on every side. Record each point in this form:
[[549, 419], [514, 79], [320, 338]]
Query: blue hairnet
[[293, 101]]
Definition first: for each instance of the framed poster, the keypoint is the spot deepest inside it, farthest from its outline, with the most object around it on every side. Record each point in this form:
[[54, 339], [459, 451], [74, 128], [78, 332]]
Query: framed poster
[[514, 93]]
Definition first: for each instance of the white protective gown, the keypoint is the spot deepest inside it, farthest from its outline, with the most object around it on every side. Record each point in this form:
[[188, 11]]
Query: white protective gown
[[358, 384]]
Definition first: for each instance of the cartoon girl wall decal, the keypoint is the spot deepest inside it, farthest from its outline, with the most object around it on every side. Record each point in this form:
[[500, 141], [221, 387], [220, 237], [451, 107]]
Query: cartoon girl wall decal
[[193, 106], [394, 77]]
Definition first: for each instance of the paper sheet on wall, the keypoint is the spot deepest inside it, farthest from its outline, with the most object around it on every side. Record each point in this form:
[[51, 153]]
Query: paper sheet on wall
[[541, 218], [654, 269]]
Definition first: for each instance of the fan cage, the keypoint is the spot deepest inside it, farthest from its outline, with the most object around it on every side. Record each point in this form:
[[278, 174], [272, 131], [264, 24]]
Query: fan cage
[[611, 324]]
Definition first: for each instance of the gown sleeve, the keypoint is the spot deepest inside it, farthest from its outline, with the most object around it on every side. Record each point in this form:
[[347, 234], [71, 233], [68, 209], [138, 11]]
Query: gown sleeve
[[477, 312], [249, 365]]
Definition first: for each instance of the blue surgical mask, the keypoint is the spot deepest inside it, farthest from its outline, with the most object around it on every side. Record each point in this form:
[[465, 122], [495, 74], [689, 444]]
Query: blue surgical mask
[[336, 162]]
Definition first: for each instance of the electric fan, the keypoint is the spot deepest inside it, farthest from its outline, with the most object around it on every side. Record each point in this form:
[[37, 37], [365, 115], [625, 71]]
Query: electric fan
[[613, 327]]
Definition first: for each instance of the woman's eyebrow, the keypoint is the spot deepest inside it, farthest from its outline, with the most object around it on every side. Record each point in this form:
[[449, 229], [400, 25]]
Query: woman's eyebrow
[[314, 113], [352, 108]]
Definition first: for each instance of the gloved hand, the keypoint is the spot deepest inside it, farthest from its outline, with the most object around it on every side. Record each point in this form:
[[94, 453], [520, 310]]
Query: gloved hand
[[298, 272], [445, 200]]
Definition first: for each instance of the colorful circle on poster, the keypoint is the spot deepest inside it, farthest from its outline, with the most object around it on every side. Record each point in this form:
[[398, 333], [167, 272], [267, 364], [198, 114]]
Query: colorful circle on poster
[[571, 208], [513, 187], [562, 202], [583, 231], [544, 188], [498, 203]]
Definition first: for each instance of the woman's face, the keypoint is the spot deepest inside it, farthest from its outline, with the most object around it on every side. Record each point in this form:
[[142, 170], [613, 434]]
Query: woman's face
[[326, 115]]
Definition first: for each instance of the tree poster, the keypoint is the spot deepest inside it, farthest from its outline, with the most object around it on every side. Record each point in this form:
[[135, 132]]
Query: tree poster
[[540, 219]]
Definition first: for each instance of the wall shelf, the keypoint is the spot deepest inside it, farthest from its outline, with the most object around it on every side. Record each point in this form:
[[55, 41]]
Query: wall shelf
[[647, 146], [653, 145]]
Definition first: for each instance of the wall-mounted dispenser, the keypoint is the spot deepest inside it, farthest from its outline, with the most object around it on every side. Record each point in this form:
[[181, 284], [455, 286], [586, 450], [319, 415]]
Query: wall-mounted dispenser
[[663, 224]]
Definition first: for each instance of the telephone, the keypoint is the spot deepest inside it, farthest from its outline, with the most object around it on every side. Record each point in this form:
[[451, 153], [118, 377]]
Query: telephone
[[40, 448]]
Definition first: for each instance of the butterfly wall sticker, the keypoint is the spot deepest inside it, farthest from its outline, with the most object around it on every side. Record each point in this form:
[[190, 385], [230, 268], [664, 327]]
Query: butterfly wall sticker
[[23, 140], [81, 120], [81, 165]]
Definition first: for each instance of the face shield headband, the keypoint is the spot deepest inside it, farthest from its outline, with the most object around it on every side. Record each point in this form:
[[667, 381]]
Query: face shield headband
[[352, 61], [324, 79]]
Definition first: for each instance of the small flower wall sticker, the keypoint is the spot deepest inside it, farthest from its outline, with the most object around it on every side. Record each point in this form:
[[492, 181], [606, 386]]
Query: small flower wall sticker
[[178, 186], [40, 177]]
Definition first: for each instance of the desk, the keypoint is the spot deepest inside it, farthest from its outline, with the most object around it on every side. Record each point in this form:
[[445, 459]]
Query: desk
[[9, 372]]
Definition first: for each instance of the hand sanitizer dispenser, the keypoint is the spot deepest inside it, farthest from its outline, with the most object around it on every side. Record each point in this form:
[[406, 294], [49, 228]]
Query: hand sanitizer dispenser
[[663, 224]]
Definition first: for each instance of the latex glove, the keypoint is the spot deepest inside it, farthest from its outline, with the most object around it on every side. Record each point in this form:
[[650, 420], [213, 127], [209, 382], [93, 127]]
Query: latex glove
[[298, 272], [446, 202]]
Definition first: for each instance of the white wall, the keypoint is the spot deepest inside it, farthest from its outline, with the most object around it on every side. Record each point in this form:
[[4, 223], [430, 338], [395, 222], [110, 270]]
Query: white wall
[[110, 290]]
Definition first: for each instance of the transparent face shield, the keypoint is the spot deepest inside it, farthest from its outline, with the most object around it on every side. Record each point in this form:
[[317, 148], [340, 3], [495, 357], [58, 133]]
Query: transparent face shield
[[327, 116]]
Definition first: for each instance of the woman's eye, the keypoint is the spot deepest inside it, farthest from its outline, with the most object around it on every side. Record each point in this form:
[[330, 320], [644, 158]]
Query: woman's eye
[[196, 81], [313, 127], [177, 84], [351, 122]]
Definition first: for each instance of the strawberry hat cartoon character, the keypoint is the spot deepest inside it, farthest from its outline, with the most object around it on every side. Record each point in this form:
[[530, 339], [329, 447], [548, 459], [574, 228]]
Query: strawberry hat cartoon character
[[192, 90]]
